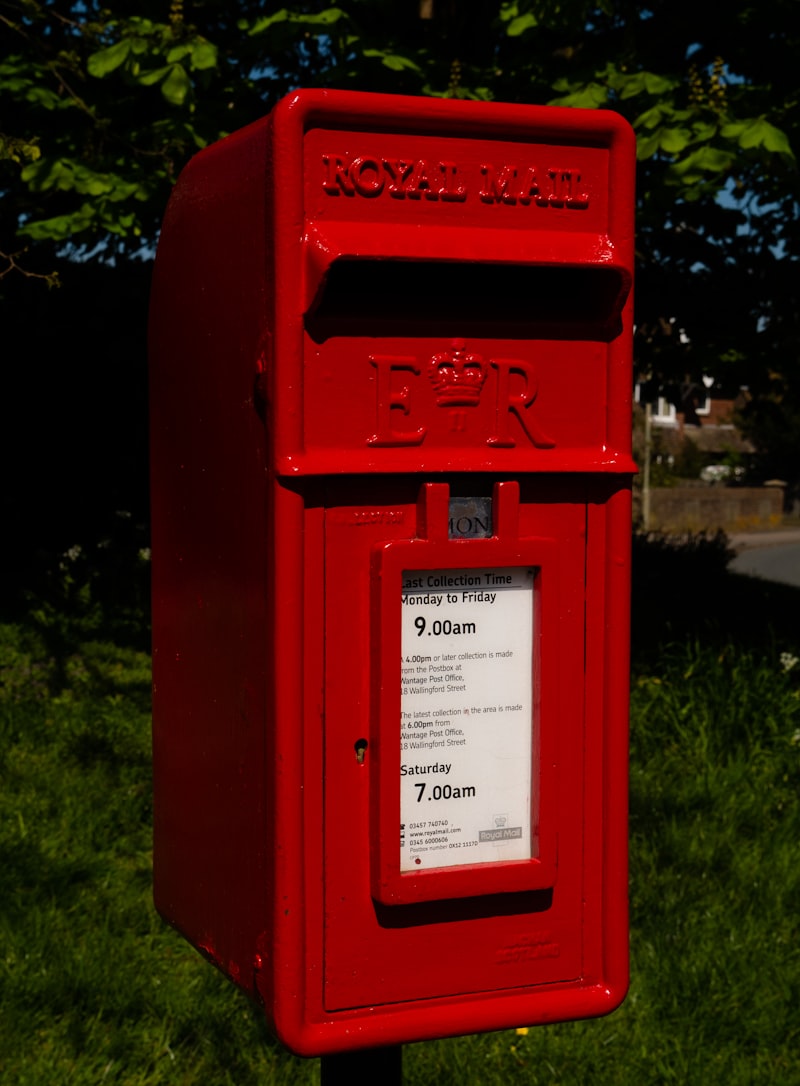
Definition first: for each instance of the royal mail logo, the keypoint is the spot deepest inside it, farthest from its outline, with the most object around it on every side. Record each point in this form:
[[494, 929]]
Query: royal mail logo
[[517, 183], [500, 833], [457, 376]]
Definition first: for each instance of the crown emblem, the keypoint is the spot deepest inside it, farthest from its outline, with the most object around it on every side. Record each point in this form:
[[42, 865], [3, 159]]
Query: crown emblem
[[457, 376]]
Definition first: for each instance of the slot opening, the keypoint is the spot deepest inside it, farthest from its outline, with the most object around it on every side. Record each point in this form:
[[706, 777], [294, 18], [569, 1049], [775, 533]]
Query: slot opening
[[448, 298]]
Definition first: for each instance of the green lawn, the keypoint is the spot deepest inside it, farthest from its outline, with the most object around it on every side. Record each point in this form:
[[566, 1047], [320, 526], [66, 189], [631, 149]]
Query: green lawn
[[94, 988]]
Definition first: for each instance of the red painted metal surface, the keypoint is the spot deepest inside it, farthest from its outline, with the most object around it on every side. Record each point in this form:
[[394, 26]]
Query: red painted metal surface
[[365, 306]]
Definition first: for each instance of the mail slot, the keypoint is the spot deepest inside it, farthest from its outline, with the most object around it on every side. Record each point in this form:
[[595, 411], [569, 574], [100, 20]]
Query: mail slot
[[391, 470]]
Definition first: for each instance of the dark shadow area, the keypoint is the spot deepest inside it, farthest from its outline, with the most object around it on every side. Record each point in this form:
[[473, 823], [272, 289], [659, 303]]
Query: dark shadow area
[[31, 872], [467, 908], [683, 591], [412, 298], [95, 590], [74, 429]]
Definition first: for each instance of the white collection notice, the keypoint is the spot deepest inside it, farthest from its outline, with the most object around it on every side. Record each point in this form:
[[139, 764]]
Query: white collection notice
[[466, 717]]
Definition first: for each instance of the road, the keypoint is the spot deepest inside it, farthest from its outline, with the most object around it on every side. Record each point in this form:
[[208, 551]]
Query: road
[[774, 556]]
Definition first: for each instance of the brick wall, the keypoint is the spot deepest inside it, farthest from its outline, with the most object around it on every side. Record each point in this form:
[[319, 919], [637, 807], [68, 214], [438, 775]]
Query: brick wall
[[708, 508]]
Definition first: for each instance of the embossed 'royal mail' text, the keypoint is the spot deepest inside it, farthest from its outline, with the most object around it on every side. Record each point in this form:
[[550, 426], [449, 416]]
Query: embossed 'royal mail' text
[[524, 184]]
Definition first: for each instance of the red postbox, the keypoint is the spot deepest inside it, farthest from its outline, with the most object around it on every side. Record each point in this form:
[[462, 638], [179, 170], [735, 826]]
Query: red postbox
[[391, 473]]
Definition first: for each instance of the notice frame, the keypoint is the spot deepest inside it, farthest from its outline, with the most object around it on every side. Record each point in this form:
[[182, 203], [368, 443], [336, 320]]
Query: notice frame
[[395, 880]]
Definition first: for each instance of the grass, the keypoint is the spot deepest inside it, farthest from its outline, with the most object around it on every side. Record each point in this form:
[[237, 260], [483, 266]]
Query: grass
[[94, 988]]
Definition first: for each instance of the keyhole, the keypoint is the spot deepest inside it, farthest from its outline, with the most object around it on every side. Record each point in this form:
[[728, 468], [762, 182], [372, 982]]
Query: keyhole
[[360, 746]]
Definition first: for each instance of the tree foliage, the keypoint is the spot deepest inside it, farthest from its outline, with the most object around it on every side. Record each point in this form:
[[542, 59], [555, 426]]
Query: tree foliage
[[100, 107], [108, 104]]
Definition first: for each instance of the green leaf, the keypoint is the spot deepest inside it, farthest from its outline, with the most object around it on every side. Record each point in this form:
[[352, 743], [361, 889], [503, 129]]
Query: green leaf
[[107, 60], [658, 84], [266, 21], [674, 140], [61, 227], [43, 96], [144, 26], [755, 134], [124, 190], [759, 133], [399, 64], [703, 131], [775, 139], [176, 86], [204, 55], [178, 52], [714, 159], [647, 146], [13, 149], [520, 24], [733, 130], [14, 85], [391, 60], [48, 173], [93, 186], [629, 84], [704, 160], [589, 96], [652, 118], [153, 75], [626, 85], [323, 18]]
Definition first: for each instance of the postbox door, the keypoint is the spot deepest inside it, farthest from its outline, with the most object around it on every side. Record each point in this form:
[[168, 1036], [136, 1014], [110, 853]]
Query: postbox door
[[436, 945]]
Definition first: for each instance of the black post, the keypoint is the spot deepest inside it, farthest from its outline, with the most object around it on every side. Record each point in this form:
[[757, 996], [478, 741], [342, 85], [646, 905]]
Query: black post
[[379, 1066]]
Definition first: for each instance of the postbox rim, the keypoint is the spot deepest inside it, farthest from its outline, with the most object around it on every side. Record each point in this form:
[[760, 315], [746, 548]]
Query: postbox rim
[[416, 113]]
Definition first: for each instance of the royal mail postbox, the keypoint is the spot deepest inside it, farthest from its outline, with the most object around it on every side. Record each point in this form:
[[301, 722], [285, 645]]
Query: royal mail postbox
[[391, 468]]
